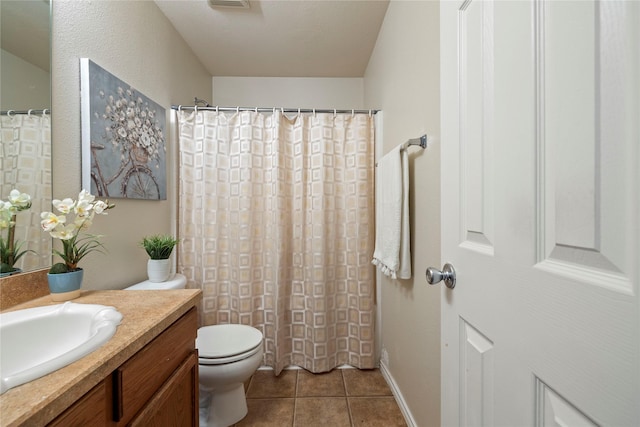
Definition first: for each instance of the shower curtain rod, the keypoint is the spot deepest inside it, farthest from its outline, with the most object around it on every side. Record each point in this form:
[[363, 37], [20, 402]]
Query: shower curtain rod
[[266, 109], [12, 112]]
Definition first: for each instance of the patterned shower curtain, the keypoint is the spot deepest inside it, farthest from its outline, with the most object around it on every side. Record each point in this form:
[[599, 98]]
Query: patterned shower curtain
[[25, 162], [276, 223]]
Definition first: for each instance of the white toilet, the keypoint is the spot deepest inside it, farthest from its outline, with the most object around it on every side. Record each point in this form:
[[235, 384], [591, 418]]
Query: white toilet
[[227, 357]]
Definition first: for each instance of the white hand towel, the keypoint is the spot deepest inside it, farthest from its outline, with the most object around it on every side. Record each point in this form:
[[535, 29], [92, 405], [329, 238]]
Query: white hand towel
[[392, 251]]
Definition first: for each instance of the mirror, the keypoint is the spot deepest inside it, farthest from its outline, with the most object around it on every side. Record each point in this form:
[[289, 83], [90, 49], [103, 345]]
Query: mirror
[[25, 106]]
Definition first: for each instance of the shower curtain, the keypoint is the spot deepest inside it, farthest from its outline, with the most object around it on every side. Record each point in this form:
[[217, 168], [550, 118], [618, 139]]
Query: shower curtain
[[25, 160], [276, 223]]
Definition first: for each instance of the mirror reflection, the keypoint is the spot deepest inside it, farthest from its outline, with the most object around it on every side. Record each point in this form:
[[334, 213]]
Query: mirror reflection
[[25, 133]]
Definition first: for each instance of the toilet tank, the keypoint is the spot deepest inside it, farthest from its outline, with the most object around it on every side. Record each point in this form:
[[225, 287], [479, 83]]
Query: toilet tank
[[178, 281]]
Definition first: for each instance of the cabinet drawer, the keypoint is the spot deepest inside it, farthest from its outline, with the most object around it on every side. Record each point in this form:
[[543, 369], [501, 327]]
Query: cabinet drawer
[[90, 410], [142, 375]]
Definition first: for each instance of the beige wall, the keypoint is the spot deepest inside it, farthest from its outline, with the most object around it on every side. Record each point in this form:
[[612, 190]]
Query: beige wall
[[288, 92], [135, 42], [402, 79], [23, 86]]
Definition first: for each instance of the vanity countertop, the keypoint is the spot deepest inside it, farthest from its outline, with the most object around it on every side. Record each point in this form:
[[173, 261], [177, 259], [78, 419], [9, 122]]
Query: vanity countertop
[[145, 315]]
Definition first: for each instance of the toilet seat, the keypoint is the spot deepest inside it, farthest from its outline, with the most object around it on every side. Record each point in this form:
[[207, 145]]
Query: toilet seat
[[221, 344]]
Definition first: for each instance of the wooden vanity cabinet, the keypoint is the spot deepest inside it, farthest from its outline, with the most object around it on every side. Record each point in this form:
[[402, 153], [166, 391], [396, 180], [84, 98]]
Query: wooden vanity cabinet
[[158, 386]]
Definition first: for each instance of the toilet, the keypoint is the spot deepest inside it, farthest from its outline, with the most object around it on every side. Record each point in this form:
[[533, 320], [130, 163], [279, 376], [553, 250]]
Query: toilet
[[227, 357]]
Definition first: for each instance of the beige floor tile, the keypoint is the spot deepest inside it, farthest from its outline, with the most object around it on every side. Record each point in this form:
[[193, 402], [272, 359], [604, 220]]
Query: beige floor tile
[[329, 384], [264, 384], [365, 383], [340, 398], [269, 413], [375, 412], [321, 412]]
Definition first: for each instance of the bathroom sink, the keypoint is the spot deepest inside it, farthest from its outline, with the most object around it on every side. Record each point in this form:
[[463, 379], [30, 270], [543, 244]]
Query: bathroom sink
[[37, 341]]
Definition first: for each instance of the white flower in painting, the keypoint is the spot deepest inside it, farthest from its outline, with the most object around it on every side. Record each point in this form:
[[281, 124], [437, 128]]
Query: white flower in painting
[[145, 140], [133, 123]]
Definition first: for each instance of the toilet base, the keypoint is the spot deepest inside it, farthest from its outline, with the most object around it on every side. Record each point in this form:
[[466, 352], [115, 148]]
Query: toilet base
[[222, 408]]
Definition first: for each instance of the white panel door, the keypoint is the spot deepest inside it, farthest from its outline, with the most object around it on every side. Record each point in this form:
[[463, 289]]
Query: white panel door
[[541, 212]]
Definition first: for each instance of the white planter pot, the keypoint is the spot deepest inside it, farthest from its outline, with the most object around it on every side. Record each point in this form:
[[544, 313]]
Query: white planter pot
[[158, 270]]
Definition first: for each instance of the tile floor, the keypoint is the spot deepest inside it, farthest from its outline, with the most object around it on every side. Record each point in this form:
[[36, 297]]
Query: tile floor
[[342, 397]]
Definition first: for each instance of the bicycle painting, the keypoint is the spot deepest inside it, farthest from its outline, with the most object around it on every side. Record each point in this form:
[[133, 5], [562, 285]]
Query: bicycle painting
[[123, 138]]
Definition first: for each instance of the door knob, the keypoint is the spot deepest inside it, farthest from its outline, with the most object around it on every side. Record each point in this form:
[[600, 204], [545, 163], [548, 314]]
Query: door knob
[[448, 274]]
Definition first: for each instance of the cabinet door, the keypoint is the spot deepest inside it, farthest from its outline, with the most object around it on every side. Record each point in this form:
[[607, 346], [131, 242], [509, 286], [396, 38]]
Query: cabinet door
[[176, 402], [138, 379], [90, 410]]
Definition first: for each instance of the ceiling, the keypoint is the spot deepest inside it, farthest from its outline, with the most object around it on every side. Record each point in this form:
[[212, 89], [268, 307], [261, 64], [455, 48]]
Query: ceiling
[[24, 30], [280, 38]]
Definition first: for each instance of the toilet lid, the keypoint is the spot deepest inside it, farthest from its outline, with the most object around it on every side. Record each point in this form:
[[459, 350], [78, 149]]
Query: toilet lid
[[219, 341]]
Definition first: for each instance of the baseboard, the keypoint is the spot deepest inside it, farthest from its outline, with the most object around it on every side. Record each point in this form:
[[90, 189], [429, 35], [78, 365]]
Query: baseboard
[[402, 404]]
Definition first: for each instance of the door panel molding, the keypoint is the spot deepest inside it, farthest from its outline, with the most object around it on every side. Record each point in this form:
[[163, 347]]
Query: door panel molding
[[580, 225], [477, 377], [475, 24], [552, 409]]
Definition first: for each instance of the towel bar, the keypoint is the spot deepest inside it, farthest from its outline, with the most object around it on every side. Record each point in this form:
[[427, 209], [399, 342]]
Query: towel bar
[[422, 142]]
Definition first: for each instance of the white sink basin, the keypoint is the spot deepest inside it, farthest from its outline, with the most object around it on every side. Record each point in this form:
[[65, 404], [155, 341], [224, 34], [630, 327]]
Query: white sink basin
[[37, 341]]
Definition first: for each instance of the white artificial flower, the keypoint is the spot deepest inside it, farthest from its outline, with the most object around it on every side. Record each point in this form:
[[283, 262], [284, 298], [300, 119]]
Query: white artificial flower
[[100, 207], [20, 200], [63, 206], [65, 232], [51, 220]]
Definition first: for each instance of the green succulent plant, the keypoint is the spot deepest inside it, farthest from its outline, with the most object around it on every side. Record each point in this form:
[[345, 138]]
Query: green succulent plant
[[158, 246], [59, 268]]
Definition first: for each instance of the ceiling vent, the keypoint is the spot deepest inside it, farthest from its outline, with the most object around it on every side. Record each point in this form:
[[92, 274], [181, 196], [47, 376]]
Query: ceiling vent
[[237, 4]]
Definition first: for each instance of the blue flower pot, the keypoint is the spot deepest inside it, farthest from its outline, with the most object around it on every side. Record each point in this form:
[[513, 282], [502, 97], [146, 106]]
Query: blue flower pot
[[9, 273], [65, 286]]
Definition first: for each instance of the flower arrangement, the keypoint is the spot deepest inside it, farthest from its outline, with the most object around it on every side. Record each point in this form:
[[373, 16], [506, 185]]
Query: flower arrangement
[[158, 246], [133, 124], [68, 229], [10, 251]]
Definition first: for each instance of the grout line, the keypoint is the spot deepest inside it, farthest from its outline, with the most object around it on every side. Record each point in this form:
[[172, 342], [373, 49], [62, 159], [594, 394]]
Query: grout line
[[351, 422], [346, 396], [295, 400]]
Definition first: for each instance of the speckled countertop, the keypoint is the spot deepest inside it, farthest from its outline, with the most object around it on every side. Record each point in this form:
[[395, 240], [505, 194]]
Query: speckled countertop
[[145, 315]]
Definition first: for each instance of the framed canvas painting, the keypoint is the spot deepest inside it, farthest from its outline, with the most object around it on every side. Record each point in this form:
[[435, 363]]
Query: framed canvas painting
[[123, 138]]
